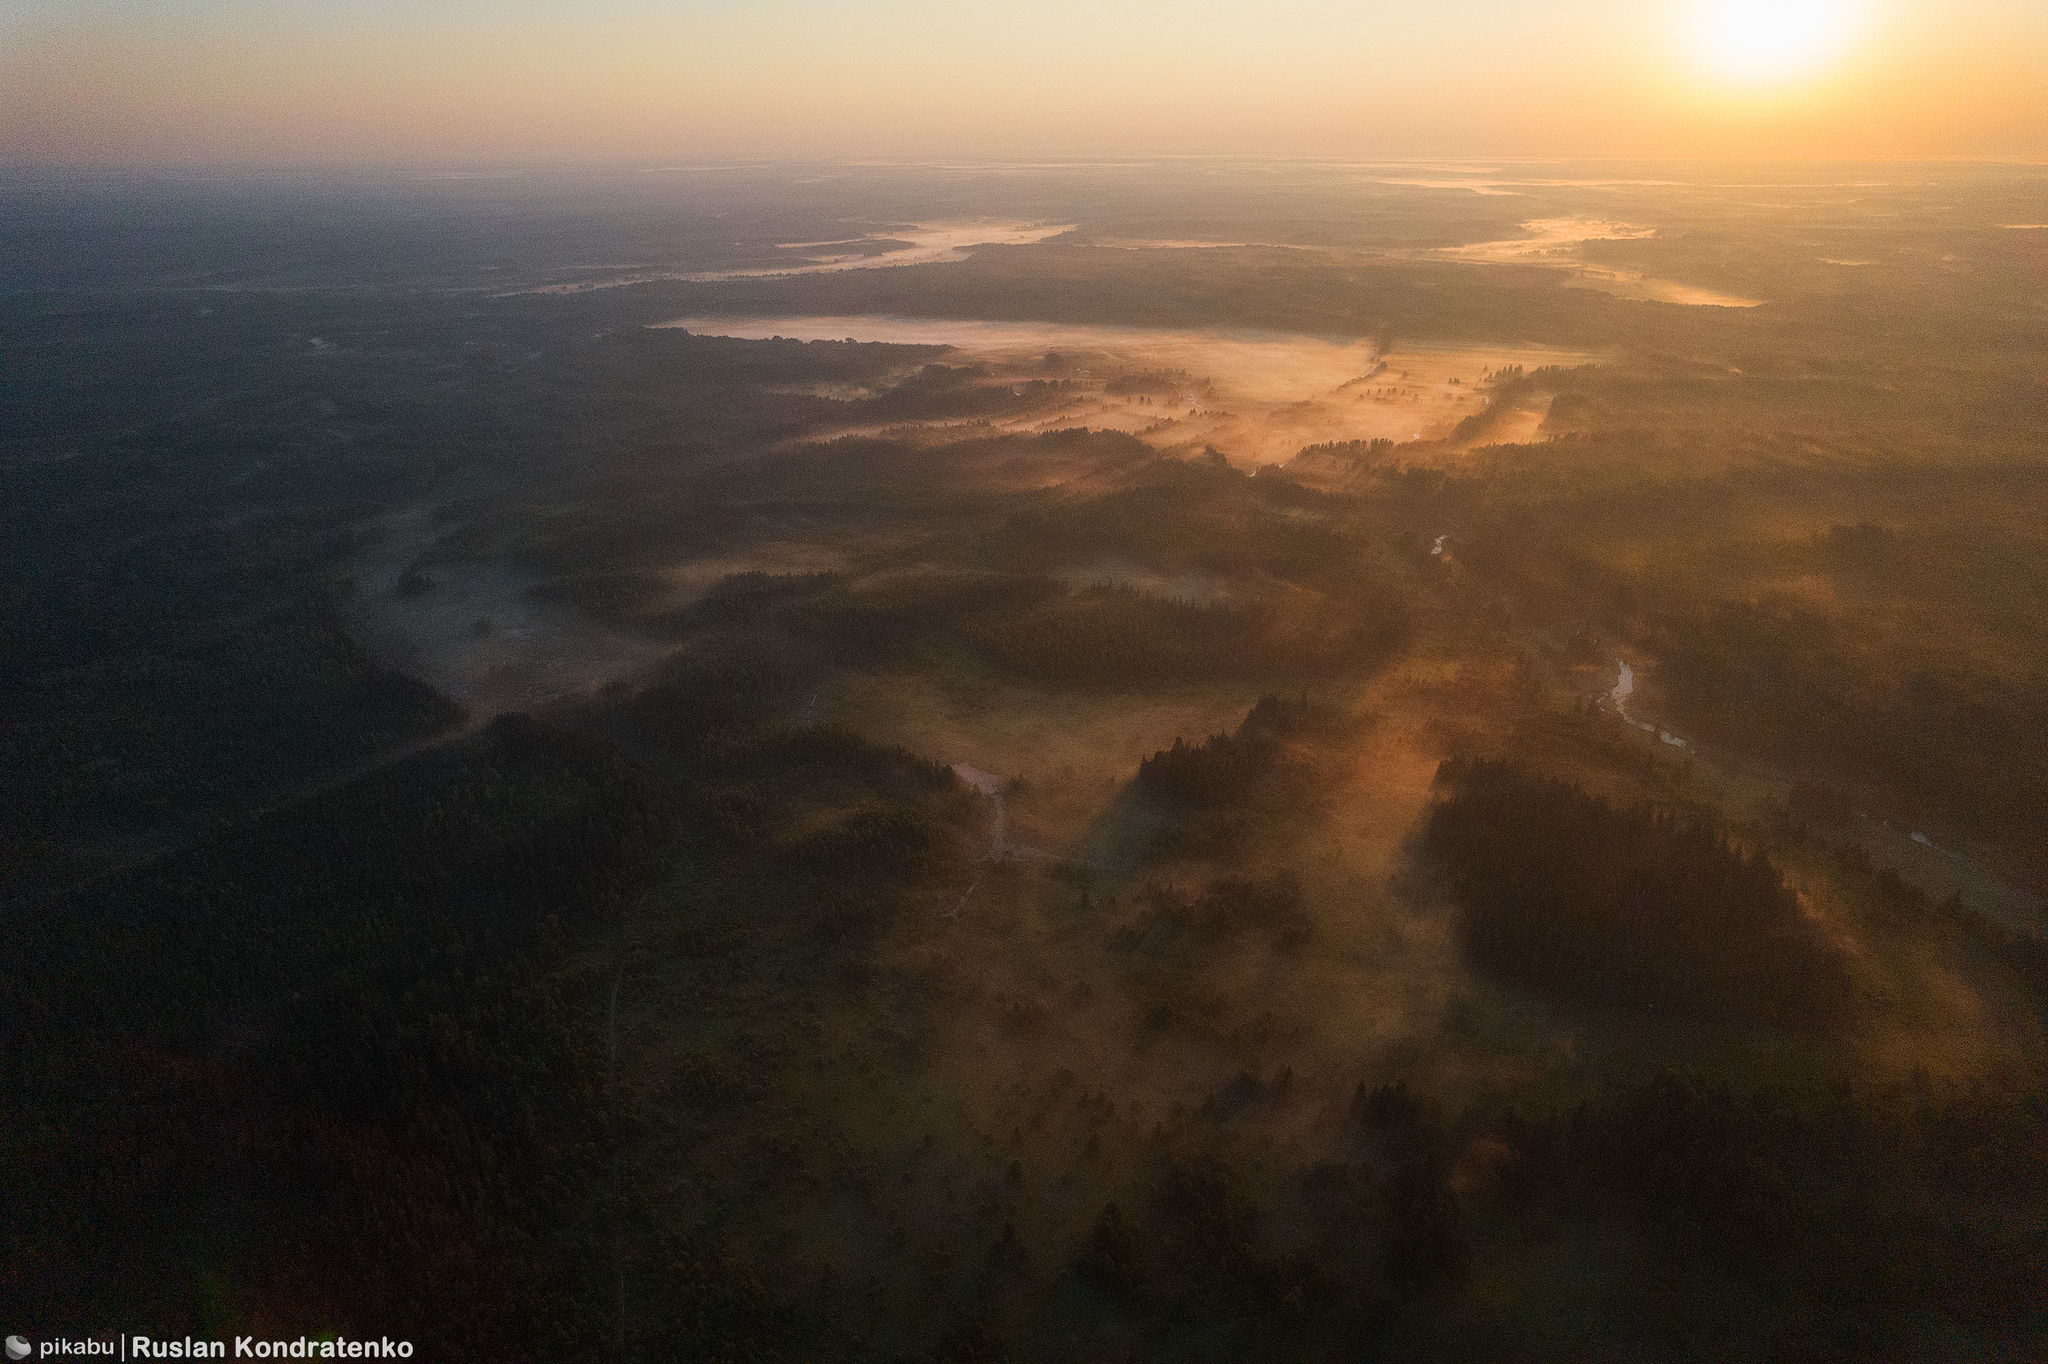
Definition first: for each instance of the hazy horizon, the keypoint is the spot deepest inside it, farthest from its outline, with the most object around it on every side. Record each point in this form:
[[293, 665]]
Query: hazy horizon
[[212, 82]]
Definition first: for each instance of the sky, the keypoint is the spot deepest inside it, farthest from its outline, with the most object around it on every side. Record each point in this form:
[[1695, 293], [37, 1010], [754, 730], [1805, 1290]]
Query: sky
[[236, 82]]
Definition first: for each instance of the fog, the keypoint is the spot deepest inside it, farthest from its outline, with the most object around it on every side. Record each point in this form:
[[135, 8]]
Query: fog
[[1248, 760], [478, 632], [1257, 396], [923, 244], [1553, 245]]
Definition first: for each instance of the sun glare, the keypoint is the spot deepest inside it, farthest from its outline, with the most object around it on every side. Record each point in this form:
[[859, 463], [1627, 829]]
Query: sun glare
[[1756, 40]]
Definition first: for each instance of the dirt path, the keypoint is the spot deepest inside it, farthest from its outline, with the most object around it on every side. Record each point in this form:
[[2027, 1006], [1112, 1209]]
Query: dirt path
[[1000, 848]]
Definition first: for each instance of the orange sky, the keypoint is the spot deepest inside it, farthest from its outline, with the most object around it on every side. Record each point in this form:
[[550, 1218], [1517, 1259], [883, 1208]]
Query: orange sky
[[237, 82]]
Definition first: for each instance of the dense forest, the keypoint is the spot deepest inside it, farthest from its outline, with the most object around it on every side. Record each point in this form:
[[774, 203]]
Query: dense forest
[[534, 828], [1637, 908], [344, 1063]]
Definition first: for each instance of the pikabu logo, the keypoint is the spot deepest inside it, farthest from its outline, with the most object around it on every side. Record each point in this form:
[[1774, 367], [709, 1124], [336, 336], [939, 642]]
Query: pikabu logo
[[17, 1348]]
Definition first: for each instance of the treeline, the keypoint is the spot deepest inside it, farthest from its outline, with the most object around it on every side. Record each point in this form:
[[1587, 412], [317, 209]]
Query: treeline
[[1152, 382], [956, 392], [1221, 769], [1637, 908], [1470, 428], [1199, 515], [1346, 450], [1506, 388], [1216, 799], [1509, 385], [784, 811], [1107, 635], [863, 474], [1215, 772], [1102, 635]]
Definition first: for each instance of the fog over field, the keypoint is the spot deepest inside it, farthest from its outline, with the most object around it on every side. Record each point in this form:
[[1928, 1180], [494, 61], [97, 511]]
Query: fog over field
[[1265, 394], [915, 244], [1153, 758]]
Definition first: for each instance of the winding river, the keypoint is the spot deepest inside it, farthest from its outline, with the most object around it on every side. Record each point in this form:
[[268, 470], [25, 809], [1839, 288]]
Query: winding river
[[1623, 689]]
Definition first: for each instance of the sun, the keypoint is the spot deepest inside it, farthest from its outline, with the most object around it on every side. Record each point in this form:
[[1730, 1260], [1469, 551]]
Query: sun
[[1762, 40]]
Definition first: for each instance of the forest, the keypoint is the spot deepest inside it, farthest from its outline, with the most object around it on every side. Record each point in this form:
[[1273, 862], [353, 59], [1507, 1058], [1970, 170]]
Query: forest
[[1325, 800], [1641, 908]]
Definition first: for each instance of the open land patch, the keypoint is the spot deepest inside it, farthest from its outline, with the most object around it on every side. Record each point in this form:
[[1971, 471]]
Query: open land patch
[[930, 243], [1554, 244], [1257, 396]]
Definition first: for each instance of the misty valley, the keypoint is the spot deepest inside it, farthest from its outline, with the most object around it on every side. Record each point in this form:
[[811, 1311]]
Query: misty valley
[[1197, 760]]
